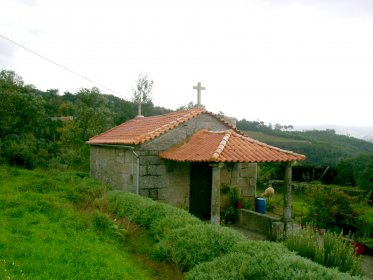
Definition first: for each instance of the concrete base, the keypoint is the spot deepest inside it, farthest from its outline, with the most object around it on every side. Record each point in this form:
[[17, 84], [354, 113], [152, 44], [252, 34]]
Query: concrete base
[[272, 228]]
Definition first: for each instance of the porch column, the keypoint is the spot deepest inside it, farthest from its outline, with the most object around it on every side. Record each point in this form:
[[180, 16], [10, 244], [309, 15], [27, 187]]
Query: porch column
[[215, 193], [287, 195]]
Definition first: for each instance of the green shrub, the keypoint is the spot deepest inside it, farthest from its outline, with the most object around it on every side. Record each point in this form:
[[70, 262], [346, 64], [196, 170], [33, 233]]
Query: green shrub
[[160, 218], [226, 267], [214, 252], [263, 265], [252, 247], [330, 250], [174, 219], [194, 244], [339, 252], [305, 243], [332, 209], [124, 204]]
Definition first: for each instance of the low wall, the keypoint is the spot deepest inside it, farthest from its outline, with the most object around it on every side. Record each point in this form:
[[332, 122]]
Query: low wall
[[271, 227]]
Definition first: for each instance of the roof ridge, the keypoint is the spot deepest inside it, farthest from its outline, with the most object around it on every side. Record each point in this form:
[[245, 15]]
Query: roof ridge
[[215, 156], [232, 127], [168, 126]]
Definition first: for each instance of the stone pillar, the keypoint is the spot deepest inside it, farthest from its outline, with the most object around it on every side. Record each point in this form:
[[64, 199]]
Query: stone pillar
[[215, 193], [287, 194]]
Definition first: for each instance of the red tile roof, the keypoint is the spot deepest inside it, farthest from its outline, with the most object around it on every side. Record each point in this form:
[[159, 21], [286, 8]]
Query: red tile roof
[[142, 129], [227, 146]]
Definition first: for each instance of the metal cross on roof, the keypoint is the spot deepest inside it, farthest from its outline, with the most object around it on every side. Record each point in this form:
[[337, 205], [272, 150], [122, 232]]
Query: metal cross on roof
[[199, 88]]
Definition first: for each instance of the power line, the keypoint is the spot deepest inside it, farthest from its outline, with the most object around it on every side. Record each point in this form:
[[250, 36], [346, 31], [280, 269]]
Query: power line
[[59, 65]]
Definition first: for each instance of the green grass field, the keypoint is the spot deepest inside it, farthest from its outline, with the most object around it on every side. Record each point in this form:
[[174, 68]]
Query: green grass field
[[49, 231]]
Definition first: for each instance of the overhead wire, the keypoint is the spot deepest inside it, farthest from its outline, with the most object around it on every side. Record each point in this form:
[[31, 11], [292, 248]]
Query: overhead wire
[[59, 65]]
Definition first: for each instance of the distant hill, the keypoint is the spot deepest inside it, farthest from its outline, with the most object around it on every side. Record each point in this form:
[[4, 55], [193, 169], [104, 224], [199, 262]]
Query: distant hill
[[361, 132], [322, 147]]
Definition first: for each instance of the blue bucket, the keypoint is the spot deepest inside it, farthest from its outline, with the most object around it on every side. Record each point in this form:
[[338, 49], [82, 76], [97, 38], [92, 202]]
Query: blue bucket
[[260, 205]]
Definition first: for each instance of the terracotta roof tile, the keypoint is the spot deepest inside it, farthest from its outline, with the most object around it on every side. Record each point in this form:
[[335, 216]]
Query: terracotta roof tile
[[142, 129], [227, 146]]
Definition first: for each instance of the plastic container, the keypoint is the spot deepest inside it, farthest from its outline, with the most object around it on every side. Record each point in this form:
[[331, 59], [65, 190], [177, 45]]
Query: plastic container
[[260, 205]]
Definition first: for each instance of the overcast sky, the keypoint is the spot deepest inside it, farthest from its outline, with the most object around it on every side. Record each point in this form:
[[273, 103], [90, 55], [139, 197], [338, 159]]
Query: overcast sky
[[280, 61]]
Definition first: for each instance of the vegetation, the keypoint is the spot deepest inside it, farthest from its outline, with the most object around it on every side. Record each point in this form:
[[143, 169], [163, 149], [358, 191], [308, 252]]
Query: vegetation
[[332, 158], [48, 233], [330, 249], [212, 252], [263, 260], [322, 147], [336, 208], [58, 225], [142, 92], [49, 129], [332, 209], [46, 129]]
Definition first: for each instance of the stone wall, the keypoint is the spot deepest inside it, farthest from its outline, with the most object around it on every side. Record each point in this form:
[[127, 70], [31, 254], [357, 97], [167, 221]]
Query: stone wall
[[161, 179], [114, 166], [272, 228], [241, 175], [184, 131], [166, 180]]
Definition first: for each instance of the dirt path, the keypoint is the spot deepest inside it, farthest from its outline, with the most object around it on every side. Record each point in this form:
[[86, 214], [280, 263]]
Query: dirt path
[[367, 266]]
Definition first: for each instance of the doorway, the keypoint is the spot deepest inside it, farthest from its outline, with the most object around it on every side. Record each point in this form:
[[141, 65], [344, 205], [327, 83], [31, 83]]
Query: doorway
[[200, 190]]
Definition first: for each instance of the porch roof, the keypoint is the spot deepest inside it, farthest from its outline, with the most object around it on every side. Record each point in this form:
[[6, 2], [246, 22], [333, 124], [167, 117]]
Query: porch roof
[[226, 146]]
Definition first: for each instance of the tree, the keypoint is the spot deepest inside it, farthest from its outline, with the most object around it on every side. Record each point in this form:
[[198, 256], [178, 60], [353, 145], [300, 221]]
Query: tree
[[21, 110], [143, 90], [92, 116]]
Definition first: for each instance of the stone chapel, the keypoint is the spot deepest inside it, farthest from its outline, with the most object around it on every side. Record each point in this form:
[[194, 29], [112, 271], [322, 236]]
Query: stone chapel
[[182, 158]]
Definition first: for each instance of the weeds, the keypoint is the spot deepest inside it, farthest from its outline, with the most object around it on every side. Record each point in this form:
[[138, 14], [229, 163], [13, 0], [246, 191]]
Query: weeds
[[330, 250]]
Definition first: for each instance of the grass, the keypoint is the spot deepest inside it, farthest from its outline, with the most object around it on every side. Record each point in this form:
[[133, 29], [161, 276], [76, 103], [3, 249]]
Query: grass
[[275, 205], [368, 215], [50, 231]]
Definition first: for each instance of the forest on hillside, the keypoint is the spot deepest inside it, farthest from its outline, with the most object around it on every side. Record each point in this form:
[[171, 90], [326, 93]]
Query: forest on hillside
[[48, 129], [334, 158]]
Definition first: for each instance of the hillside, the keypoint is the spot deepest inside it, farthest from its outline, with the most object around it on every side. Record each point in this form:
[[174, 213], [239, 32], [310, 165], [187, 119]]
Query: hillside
[[60, 225], [322, 147], [51, 230], [360, 132]]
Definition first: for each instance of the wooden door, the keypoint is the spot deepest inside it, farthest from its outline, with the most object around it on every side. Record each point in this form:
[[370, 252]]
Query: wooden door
[[200, 190]]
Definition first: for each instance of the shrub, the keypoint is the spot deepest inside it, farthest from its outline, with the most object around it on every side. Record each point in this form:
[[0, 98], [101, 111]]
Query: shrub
[[191, 245], [332, 209], [338, 252], [174, 219], [331, 250], [304, 242], [160, 218], [214, 252], [263, 265], [125, 204], [252, 247]]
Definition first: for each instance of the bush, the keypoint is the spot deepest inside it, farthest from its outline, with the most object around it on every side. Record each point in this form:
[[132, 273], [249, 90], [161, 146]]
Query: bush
[[215, 252], [331, 251], [125, 204], [174, 219], [160, 218], [191, 245], [262, 264], [252, 247], [331, 209]]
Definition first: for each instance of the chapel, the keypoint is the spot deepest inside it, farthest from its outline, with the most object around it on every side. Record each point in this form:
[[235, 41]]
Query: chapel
[[183, 158]]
